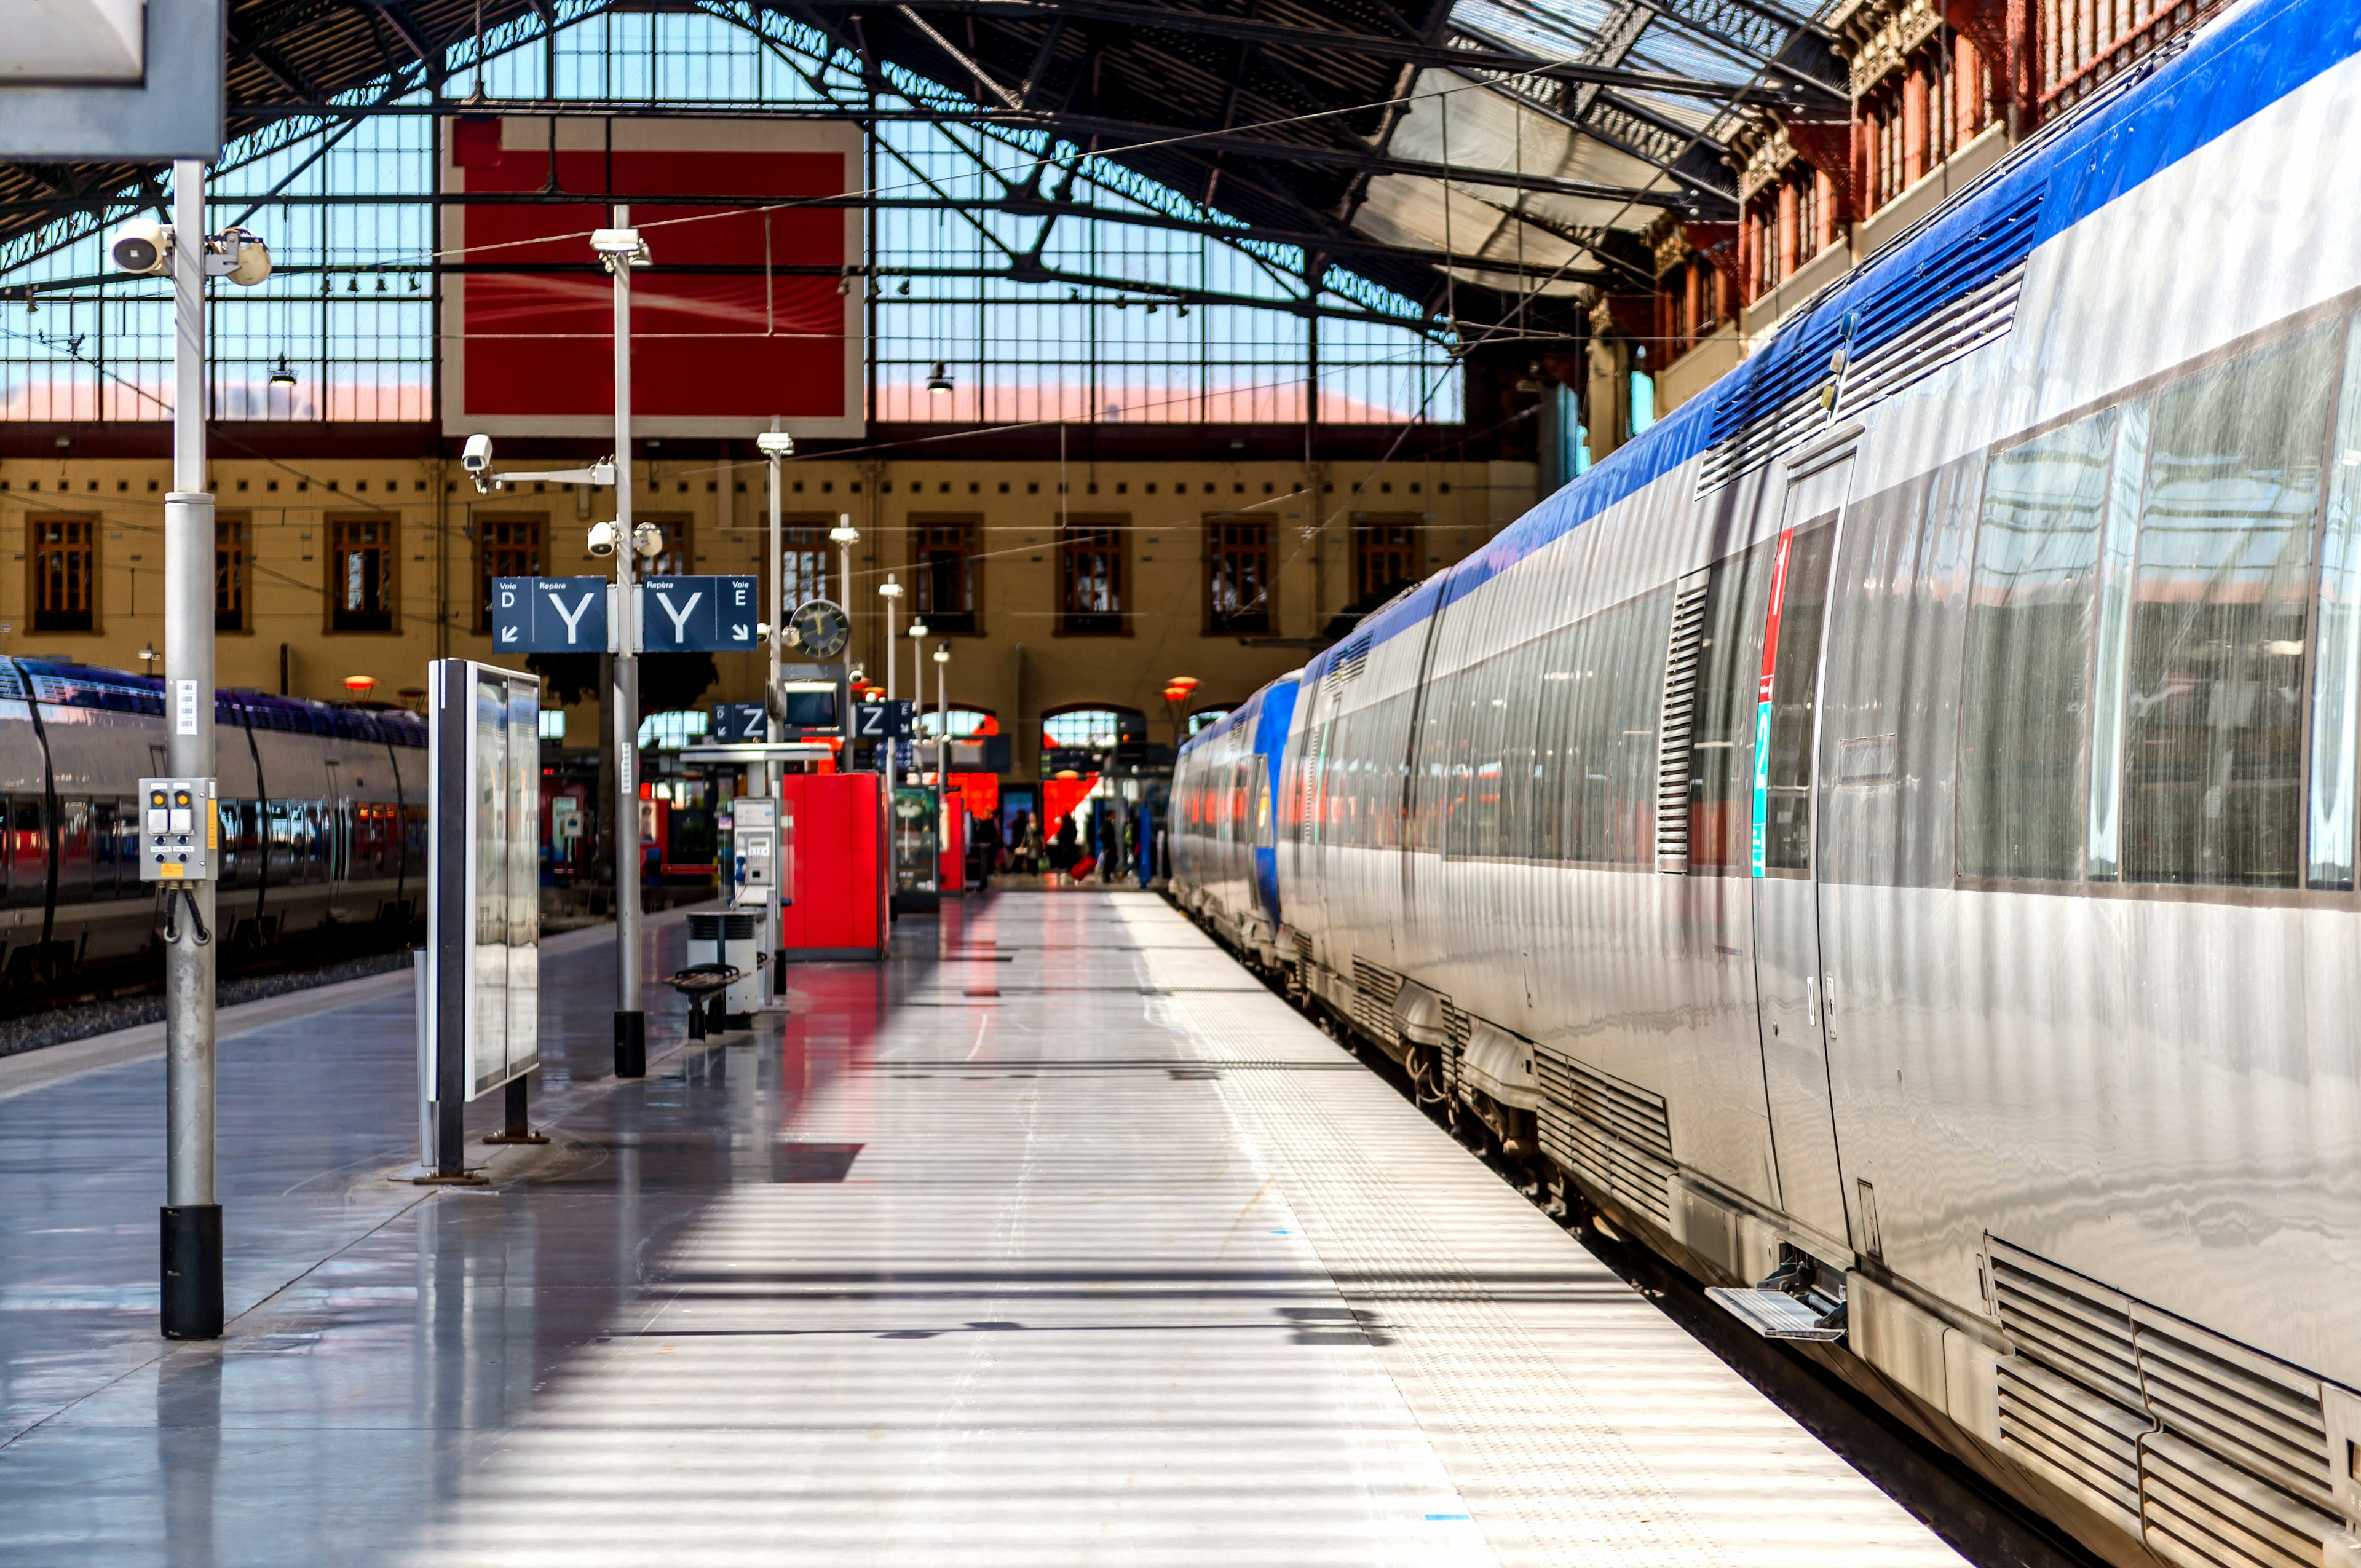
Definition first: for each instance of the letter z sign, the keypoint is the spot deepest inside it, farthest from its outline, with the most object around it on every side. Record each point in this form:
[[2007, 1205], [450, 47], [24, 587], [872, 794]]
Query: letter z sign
[[549, 614], [697, 615]]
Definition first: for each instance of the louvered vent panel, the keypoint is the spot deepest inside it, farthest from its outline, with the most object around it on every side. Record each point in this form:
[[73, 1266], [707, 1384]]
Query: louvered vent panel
[[1374, 990], [1773, 403], [2242, 1463], [1350, 662], [1955, 331], [12, 682], [1616, 1136], [2079, 1436], [1678, 731], [2070, 1399], [1309, 787], [2214, 1453]]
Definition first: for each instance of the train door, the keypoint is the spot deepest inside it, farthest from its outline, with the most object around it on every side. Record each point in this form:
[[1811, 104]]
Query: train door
[[1792, 1020]]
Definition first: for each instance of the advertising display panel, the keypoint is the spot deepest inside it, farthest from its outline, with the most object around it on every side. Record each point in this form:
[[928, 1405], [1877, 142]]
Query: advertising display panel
[[739, 316], [483, 878]]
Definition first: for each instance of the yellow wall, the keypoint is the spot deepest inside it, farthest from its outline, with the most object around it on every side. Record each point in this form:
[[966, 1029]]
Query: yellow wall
[[1017, 664]]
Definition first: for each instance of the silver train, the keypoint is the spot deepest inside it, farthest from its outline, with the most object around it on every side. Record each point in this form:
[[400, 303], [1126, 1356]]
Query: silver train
[[1887, 837], [324, 817]]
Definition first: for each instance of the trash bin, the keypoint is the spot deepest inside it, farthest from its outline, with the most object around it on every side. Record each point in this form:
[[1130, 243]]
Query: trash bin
[[735, 940]]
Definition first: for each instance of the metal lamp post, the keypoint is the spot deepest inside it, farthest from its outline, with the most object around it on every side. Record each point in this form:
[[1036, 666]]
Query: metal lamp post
[[891, 592], [845, 537], [191, 1218], [621, 248], [943, 715]]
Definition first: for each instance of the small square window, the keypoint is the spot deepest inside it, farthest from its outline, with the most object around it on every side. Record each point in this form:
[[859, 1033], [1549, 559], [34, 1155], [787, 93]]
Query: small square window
[[421, 487], [1240, 486], [267, 484], [333, 483], [1032, 487], [93, 484], [713, 487], [1413, 487], [300, 484], [1003, 487], [1266, 487], [1209, 486], [363, 486], [826, 485], [1123, 489], [1329, 488], [1444, 489], [1092, 488], [741, 486], [946, 488], [1387, 488], [799, 486], [1152, 487], [855, 486], [886, 489], [974, 488], [122, 485]]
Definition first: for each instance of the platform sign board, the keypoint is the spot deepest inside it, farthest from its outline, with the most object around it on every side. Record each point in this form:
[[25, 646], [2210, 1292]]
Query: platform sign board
[[887, 720], [699, 615], [114, 81], [549, 614], [483, 883], [740, 721]]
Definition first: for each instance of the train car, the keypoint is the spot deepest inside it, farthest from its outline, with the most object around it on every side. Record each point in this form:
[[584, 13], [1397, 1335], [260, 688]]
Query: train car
[[324, 817], [1223, 840], [1890, 830]]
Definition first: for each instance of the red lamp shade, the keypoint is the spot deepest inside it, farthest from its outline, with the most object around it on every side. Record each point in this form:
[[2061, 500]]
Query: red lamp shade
[[1184, 684], [357, 684]]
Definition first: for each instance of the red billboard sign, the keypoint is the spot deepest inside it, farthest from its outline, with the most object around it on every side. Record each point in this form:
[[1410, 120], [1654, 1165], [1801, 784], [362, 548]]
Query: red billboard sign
[[736, 318]]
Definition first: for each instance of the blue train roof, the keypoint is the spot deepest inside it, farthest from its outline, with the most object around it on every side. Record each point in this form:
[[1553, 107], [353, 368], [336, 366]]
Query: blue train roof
[[2172, 105], [1245, 712], [66, 684]]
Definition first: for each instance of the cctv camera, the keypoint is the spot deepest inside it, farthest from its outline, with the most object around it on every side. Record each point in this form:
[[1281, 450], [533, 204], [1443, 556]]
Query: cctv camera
[[603, 538], [775, 444], [477, 456], [142, 246]]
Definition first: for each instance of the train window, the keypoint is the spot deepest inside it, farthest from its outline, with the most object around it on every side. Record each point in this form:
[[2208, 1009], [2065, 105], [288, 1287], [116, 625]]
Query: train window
[[2336, 658], [29, 853], [1794, 686], [2213, 731], [1607, 672], [1730, 676], [1478, 711], [1431, 764], [2028, 652], [74, 851]]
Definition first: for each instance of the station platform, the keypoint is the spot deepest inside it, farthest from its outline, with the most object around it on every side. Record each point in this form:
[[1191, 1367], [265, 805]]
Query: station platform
[[1056, 1239]]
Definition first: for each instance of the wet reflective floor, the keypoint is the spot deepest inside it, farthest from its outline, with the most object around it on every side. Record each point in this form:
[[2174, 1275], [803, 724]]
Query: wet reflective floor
[[1056, 1239]]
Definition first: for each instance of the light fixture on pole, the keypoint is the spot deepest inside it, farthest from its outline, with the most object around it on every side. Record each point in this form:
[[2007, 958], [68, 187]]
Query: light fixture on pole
[[891, 592], [285, 375], [845, 537], [620, 249], [942, 716], [939, 383], [148, 656]]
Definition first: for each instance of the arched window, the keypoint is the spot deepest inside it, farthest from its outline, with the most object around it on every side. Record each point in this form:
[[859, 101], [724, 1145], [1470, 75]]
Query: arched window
[[1206, 718], [967, 723], [671, 731], [1092, 727]]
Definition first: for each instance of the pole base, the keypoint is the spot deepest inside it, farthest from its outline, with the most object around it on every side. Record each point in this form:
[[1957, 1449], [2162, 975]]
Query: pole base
[[630, 1044], [192, 1296], [514, 1138]]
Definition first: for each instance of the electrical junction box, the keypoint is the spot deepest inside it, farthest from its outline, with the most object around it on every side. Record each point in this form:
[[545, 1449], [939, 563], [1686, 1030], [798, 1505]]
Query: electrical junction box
[[180, 831]]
